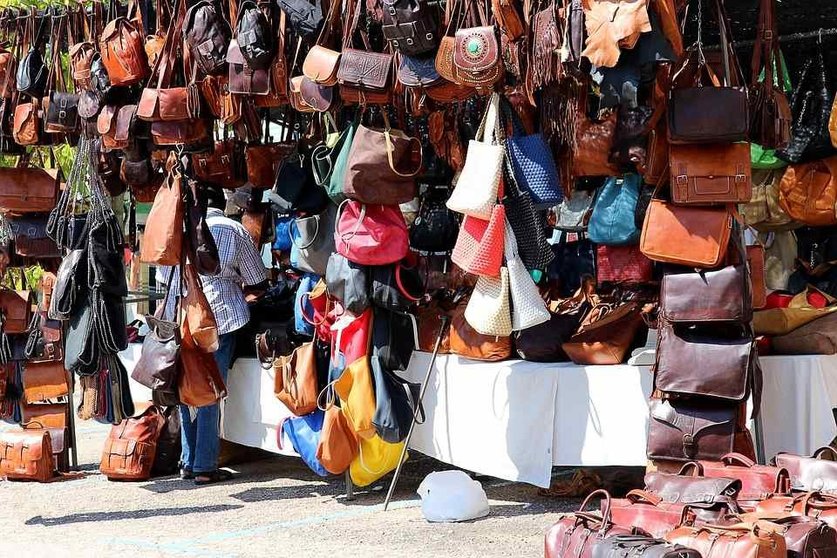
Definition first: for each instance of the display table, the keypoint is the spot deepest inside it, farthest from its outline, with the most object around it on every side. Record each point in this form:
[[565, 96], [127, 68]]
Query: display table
[[514, 420]]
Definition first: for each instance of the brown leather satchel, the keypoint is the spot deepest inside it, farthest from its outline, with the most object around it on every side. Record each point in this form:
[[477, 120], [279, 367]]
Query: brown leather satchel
[[27, 189], [650, 513], [817, 505], [684, 431], [122, 48], [243, 79], [295, 98], [808, 192], [606, 337], [162, 242], [466, 342], [818, 472], [742, 540], [581, 530], [319, 97], [770, 112], [16, 310], [685, 235], [131, 446], [710, 498], [198, 326], [49, 415], [43, 381], [476, 57], [200, 382], [590, 153], [181, 132], [106, 127], [710, 174], [321, 65], [757, 481], [805, 537], [222, 166], [27, 455], [26, 124], [264, 161], [366, 71], [295, 380], [706, 296]]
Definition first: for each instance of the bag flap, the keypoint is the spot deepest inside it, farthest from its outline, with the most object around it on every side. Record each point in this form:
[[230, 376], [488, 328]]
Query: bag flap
[[476, 49], [413, 71], [30, 442], [321, 63], [365, 69], [684, 489], [111, 29], [706, 296], [120, 447], [174, 103], [717, 160], [694, 423], [124, 122], [234, 54], [147, 107], [106, 122]]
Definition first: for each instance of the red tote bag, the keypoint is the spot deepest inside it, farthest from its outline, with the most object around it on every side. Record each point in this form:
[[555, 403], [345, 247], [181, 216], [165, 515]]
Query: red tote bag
[[479, 246], [371, 234], [623, 264]]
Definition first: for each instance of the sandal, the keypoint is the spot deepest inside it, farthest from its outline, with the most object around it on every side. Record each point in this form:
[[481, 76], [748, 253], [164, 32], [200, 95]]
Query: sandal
[[581, 484], [186, 474], [212, 477]]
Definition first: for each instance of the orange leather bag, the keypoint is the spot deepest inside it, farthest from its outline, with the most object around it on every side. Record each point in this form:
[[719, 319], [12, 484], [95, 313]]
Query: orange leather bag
[[200, 383], [466, 342], [295, 381], [686, 235], [812, 504], [16, 310], [198, 321], [163, 238], [27, 455], [122, 48], [593, 143], [131, 446], [338, 444], [742, 540], [808, 192], [45, 380], [710, 174]]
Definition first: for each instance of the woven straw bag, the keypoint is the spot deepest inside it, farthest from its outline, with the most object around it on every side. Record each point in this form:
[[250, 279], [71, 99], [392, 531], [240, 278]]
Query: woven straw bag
[[528, 308], [479, 246], [476, 190], [489, 309]]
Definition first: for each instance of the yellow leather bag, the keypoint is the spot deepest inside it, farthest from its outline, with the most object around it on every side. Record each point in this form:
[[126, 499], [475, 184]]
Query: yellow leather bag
[[357, 396], [375, 459], [781, 321]]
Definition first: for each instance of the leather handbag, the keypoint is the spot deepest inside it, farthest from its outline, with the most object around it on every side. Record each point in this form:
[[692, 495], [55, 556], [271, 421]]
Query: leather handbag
[[28, 189], [200, 382], [808, 192], [757, 481], [543, 342], [476, 191], [193, 132], [418, 72], [743, 539], [727, 362], [131, 446], [489, 309], [321, 65], [313, 240], [476, 56], [206, 34], [16, 310], [222, 166], [371, 234], [533, 164], [122, 48], [338, 444], [26, 125], [592, 144], [817, 505], [410, 26], [480, 244], [466, 342], [162, 242], [818, 472], [199, 324], [811, 107], [244, 79], [804, 536], [158, 366], [377, 171], [576, 534], [264, 161], [707, 175], [685, 431], [612, 222], [606, 339], [709, 499], [650, 513], [43, 381], [27, 455], [689, 236], [296, 380], [621, 546], [706, 296], [348, 282], [436, 227], [363, 72], [763, 211], [622, 264]]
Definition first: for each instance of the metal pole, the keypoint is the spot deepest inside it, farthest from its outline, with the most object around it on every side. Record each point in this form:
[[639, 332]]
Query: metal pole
[[424, 384]]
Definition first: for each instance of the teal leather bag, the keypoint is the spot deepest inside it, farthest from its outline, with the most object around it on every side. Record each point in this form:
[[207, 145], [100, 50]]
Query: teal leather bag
[[612, 221]]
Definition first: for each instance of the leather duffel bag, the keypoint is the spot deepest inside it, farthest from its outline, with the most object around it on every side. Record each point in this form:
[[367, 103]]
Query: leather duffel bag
[[709, 498], [758, 481], [805, 537], [818, 472], [575, 534], [649, 512], [27, 455], [750, 540], [811, 504], [131, 446], [640, 546]]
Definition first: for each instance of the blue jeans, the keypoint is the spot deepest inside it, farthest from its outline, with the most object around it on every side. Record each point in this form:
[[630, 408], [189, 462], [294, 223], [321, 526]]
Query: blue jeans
[[200, 437]]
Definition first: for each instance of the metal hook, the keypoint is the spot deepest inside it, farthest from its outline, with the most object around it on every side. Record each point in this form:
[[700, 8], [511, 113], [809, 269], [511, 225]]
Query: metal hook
[[819, 36]]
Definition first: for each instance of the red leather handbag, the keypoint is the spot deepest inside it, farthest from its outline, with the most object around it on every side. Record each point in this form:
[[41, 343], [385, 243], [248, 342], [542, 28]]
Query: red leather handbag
[[622, 264], [758, 481], [575, 534], [371, 234], [650, 513]]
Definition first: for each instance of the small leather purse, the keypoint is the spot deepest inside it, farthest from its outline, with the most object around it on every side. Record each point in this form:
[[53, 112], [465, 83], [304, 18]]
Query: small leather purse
[[476, 57]]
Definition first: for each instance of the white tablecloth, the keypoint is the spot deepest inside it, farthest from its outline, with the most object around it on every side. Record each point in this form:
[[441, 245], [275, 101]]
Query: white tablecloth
[[514, 420]]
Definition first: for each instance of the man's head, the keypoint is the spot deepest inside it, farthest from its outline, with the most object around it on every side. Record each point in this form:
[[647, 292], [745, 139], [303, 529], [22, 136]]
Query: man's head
[[213, 196]]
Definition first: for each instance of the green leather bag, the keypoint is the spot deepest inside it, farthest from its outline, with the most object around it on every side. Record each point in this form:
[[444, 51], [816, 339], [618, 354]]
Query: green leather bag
[[340, 156]]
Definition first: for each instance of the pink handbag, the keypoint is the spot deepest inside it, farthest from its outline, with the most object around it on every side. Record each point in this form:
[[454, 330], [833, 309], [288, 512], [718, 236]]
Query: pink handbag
[[352, 339], [480, 244], [371, 234]]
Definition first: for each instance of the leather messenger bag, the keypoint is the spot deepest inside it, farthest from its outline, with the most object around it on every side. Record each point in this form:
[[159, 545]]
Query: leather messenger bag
[[710, 174], [25, 189], [27, 455], [131, 446]]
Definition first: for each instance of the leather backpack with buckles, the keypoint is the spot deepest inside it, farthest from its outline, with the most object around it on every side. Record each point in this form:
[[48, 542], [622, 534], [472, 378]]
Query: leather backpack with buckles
[[32, 70], [206, 34], [411, 26], [122, 47]]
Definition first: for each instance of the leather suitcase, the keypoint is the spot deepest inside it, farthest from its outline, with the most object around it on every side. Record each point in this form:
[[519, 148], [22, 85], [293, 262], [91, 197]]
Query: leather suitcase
[[812, 504], [575, 534], [758, 481], [640, 546], [742, 540]]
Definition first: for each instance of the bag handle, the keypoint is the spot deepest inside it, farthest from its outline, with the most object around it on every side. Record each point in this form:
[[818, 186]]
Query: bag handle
[[823, 451], [316, 232], [391, 150], [605, 518], [636, 496], [738, 459], [694, 467]]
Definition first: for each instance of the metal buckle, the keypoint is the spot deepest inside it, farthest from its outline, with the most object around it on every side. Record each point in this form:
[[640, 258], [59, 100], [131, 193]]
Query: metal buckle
[[62, 114], [682, 179], [409, 41], [740, 177], [689, 445]]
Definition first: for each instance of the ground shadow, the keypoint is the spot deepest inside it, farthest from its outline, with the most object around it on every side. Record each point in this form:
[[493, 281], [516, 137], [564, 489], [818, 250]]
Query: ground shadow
[[93, 517]]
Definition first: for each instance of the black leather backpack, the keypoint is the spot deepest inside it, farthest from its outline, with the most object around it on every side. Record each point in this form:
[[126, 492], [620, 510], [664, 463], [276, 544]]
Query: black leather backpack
[[206, 34], [32, 72], [304, 17], [254, 35], [411, 26]]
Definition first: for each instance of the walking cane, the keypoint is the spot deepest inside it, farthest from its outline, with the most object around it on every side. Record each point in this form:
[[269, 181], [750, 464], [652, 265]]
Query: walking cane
[[445, 320]]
